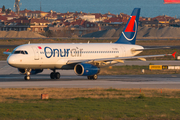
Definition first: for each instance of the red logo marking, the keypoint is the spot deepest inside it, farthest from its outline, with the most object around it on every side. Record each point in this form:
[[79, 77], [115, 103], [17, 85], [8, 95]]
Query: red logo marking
[[39, 47], [130, 25], [174, 54]]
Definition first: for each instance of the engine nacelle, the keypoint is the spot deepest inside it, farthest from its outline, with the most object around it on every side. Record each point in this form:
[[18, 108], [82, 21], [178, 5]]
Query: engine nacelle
[[33, 71], [85, 69]]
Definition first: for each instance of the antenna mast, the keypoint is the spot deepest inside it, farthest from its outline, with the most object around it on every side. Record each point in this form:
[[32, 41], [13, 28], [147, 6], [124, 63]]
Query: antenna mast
[[17, 6], [40, 6]]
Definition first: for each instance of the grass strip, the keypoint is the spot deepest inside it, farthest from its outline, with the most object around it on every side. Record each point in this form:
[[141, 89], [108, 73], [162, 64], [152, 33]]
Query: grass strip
[[27, 94], [89, 104], [134, 70], [88, 108]]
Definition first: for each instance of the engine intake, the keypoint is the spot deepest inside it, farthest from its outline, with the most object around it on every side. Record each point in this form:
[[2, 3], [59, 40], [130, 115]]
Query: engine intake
[[85, 69]]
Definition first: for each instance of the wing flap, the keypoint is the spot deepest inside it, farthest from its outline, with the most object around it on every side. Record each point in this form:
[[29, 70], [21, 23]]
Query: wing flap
[[143, 59]]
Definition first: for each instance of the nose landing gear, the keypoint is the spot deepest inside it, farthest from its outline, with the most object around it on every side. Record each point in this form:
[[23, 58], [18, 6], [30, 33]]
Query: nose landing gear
[[28, 73]]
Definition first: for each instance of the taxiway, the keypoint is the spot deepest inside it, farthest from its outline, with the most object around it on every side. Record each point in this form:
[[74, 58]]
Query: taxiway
[[10, 78]]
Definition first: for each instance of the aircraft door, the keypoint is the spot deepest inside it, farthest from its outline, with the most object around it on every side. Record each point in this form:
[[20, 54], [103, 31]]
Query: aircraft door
[[123, 53], [36, 53]]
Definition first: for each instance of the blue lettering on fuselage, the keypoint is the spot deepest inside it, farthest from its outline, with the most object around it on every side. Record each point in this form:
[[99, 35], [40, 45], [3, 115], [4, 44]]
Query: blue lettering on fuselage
[[49, 52], [45, 50]]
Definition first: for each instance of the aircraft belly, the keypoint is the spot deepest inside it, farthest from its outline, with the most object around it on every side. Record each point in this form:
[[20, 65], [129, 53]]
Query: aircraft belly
[[34, 66]]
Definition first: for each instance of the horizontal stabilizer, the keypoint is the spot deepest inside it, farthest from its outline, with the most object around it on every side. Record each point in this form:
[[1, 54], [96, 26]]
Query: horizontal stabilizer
[[7, 53], [151, 48]]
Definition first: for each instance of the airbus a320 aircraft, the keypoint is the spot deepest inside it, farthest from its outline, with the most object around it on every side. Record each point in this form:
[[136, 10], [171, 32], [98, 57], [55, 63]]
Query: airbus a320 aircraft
[[85, 58]]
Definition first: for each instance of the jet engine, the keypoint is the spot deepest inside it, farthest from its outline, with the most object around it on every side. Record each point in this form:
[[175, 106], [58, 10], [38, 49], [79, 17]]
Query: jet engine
[[33, 71], [85, 69]]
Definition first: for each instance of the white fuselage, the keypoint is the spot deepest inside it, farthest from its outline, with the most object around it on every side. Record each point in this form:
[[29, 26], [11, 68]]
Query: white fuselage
[[56, 55]]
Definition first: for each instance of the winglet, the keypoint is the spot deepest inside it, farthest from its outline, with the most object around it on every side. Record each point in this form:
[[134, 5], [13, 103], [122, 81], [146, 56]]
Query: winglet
[[174, 54], [7, 50]]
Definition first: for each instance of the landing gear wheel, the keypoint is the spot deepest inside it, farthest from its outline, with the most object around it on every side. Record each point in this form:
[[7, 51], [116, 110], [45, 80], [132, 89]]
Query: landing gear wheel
[[57, 75], [52, 75], [94, 77], [27, 77], [28, 73], [89, 77]]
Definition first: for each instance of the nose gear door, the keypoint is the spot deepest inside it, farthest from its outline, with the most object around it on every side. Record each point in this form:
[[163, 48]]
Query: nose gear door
[[36, 53]]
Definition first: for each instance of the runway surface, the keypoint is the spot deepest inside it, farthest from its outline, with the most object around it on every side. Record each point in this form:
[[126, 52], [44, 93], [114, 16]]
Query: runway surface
[[10, 78]]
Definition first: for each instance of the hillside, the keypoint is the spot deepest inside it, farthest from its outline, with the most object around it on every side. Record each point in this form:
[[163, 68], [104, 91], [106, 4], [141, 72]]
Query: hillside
[[142, 32], [20, 34]]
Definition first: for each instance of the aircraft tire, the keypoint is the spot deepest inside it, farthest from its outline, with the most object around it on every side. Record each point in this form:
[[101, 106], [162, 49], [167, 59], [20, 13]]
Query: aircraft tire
[[27, 77], [89, 77], [57, 75], [52, 75], [28, 73], [94, 77]]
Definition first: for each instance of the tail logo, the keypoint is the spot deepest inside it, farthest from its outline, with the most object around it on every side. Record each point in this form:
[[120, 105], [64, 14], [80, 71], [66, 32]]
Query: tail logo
[[130, 29]]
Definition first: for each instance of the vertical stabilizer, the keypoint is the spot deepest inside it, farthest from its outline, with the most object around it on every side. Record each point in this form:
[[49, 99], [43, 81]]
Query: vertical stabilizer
[[129, 33]]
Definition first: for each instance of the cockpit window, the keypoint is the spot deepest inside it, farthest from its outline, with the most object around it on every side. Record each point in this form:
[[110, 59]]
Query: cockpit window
[[20, 52], [17, 52], [26, 52]]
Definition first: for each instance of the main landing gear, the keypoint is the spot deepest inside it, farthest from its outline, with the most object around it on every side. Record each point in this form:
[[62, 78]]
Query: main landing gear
[[93, 77], [28, 73], [55, 75]]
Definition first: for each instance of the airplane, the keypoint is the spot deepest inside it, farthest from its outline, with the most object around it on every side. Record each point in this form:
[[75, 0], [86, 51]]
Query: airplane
[[85, 59]]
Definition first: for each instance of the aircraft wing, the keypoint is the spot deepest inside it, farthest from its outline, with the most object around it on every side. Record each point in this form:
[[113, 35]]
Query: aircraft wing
[[118, 59]]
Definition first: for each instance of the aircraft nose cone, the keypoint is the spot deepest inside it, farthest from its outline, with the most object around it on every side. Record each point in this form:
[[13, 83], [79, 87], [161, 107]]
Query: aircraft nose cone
[[11, 60]]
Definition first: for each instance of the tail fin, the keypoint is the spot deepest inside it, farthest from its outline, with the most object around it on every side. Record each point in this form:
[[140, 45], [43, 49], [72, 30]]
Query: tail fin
[[129, 33]]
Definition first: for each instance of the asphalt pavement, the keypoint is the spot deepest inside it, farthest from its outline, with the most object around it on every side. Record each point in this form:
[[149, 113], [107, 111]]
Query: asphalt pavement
[[10, 78]]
